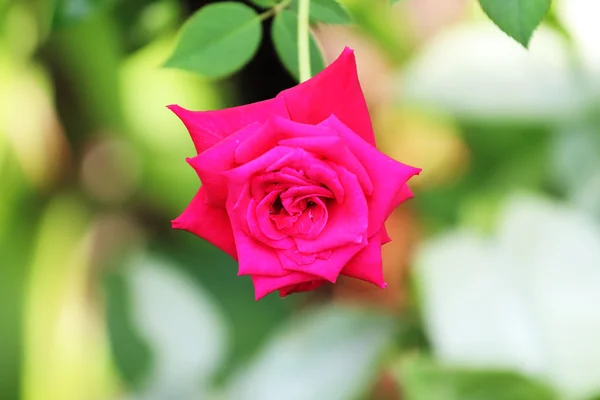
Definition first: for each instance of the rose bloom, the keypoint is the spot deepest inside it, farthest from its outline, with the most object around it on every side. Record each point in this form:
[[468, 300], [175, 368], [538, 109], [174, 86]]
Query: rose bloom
[[293, 187]]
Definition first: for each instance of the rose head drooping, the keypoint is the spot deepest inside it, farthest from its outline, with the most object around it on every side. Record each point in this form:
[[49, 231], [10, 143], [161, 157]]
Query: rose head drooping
[[293, 188]]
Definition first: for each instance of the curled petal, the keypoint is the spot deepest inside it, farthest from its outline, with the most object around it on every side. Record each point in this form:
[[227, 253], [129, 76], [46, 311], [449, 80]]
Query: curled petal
[[335, 90], [208, 222], [277, 180], [278, 159], [347, 221], [334, 150], [255, 251], [208, 128], [262, 212], [276, 129]]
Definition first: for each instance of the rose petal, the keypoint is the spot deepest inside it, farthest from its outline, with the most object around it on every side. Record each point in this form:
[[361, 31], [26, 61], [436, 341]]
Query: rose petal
[[335, 150], [367, 264], [310, 223], [301, 287], [304, 191], [245, 172], [325, 268], [210, 223], [403, 194], [208, 128], [264, 222], [335, 90], [210, 164], [254, 256], [263, 285], [388, 175], [241, 208], [278, 180], [281, 157], [277, 129], [347, 222], [385, 238]]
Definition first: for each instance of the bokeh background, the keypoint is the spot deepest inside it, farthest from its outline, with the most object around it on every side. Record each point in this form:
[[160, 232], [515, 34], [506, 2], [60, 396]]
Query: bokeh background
[[494, 267]]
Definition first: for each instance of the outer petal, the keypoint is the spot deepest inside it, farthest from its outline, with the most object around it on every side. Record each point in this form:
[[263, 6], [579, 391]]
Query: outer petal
[[210, 164], [401, 196], [385, 238], [263, 285], [301, 287], [256, 258], [328, 268], [210, 223], [388, 175], [208, 128], [367, 265], [335, 90]]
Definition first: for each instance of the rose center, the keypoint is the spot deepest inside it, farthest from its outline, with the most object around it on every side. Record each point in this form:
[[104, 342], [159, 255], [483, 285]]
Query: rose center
[[303, 216]]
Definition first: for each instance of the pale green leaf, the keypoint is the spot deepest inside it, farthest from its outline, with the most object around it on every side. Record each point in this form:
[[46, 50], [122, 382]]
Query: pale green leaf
[[423, 379], [218, 40]]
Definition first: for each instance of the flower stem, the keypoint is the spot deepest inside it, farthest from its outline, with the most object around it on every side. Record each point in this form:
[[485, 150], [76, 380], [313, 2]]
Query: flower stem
[[303, 40]]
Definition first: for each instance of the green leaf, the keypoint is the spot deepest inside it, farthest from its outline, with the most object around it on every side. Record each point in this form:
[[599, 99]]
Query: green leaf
[[423, 379], [326, 11], [329, 354], [67, 12], [218, 40], [517, 18], [265, 3], [285, 37]]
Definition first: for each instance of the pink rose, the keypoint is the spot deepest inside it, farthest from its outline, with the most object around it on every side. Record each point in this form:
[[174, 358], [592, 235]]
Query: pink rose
[[293, 187]]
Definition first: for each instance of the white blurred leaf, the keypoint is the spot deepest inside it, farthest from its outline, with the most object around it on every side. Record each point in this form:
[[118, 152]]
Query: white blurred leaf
[[580, 18], [328, 354], [526, 299], [558, 254], [576, 165], [477, 72], [473, 310], [182, 326]]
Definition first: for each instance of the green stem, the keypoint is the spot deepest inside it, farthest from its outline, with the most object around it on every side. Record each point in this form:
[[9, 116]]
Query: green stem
[[303, 40]]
